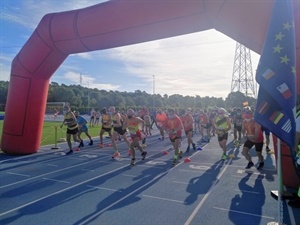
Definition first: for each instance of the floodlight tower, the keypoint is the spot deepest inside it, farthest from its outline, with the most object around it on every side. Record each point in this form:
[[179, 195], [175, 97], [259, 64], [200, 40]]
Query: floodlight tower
[[242, 76]]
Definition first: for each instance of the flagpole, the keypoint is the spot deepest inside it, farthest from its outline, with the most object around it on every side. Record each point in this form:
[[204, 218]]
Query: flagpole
[[279, 170]]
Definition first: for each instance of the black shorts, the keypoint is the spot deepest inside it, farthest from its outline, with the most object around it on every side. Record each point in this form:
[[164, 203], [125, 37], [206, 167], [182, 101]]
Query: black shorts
[[258, 145], [238, 128], [187, 131], [206, 125], [74, 131], [174, 139], [119, 130], [223, 137], [106, 129]]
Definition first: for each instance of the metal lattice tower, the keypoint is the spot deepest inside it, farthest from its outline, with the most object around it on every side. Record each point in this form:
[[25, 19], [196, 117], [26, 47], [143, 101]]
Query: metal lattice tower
[[242, 76]]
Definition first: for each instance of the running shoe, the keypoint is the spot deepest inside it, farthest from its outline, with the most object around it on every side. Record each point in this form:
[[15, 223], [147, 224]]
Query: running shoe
[[174, 162], [81, 144], [224, 157], [116, 155], [144, 155], [250, 164], [194, 146], [91, 142], [180, 154], [77, 149], [261, 165], [100, 145], [69, 152], [187, 149], [132, 163]]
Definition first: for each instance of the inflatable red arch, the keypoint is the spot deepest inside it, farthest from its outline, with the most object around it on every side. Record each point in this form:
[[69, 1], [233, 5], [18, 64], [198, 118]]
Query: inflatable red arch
[[109, 25]]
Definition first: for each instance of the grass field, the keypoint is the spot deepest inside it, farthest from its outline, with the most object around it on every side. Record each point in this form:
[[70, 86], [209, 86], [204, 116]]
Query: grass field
[[48, 137]]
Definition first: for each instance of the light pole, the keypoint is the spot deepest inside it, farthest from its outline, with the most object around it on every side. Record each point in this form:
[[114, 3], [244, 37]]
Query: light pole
[[88, 100], [153, 93]]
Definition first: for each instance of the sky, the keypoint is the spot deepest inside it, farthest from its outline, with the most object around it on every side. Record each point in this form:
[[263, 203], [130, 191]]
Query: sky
[[194, 64]]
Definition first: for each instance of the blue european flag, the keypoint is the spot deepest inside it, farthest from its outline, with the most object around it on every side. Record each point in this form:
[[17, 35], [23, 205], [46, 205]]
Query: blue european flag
[[276, 75]]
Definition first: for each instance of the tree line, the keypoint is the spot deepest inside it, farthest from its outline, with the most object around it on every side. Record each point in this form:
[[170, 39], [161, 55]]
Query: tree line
[[84, 99]]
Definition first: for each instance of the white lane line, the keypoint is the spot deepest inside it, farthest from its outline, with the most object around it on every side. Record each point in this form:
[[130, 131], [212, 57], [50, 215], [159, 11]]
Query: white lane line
[[53, 165], [196, 210], [193, 171], [102, 188], [154, 167], [61, 181], [253, 178], [240, 212], [129, 175], [251, 192], [179, 182], [165, 199], [248, 171], [18, 174], [88, 170]]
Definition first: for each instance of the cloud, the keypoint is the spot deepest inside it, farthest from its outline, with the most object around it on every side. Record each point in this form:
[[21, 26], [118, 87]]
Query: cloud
[[84, 55], [89, 81], [186, 64]]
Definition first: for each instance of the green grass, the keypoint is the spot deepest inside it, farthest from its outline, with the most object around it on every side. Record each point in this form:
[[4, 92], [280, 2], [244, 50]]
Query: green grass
[[48, 137]]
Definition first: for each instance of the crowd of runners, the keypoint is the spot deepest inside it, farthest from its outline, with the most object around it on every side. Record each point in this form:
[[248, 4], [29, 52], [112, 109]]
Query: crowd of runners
[[134, 126]]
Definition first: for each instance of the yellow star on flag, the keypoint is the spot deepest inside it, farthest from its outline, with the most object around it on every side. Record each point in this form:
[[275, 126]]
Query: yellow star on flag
[[293, 69], [277, 48], [287, 26], [279, 36], [284, 59]]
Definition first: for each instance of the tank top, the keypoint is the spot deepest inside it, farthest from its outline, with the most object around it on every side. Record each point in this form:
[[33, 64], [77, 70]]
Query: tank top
[[250, 129], [132, 125], [70, 121], [106, 121], [221, 123]]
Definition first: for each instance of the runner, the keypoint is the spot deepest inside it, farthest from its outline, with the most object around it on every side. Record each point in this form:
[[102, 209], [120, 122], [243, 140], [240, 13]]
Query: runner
[[222, 126], [118, 124], [147, 120], [72, 127], [204, 124], [237, 121], [92, 118], [187, 122], [160, 119], [98, 114], [132, 123], [82, 127], [173, 126], [106, 123], [212, 114], [196, 121], [253, 137]]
